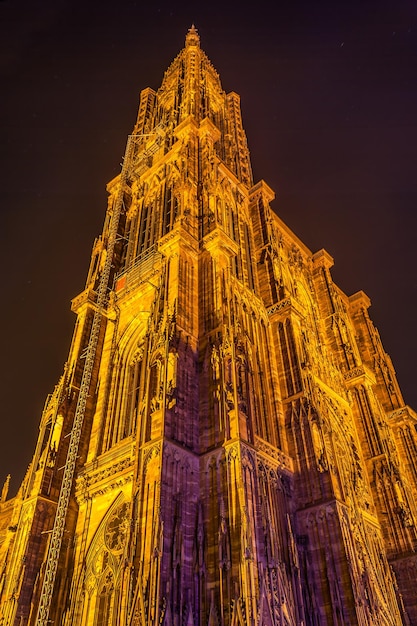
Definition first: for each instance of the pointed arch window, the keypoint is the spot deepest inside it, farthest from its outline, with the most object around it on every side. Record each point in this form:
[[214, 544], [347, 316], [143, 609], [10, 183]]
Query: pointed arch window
[[249, 257], [170, 211], [105, 602], [289, 357], [144, 229], [133, 395], [234, 225], [149, 222], [123, 399]]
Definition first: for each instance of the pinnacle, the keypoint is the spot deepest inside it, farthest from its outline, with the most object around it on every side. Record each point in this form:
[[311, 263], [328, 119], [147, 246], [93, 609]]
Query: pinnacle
[[192, 38]]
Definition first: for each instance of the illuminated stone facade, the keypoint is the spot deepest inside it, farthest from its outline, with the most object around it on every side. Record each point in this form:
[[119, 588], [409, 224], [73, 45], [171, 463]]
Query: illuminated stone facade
[[245, 457]]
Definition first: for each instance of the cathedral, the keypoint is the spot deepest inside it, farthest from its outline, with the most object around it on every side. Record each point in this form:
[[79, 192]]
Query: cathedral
[[228, 444]]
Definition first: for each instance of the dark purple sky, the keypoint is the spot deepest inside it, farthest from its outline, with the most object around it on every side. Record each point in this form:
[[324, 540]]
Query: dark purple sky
[[329, 100]]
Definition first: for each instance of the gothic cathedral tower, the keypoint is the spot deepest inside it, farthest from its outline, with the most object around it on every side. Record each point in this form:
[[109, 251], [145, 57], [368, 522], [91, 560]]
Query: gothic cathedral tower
[[228, 444]]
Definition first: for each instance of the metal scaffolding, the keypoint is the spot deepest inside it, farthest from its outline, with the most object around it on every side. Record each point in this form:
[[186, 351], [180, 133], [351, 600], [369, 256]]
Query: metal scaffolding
[[52, 559]]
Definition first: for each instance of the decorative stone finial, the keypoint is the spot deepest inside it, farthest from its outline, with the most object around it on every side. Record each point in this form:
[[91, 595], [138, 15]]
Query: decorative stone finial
[[192, 38], [5, 490]]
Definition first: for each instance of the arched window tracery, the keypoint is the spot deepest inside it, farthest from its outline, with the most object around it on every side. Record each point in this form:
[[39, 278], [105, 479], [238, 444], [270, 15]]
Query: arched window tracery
[[105, 602], [125, 398], [292, 373]]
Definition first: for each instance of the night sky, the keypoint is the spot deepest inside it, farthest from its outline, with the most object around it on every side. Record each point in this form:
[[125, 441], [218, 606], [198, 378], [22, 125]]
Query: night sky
[[329, 103]]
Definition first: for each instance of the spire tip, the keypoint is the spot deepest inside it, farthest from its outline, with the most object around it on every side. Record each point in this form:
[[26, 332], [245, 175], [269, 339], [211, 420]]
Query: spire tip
[[192, 38]]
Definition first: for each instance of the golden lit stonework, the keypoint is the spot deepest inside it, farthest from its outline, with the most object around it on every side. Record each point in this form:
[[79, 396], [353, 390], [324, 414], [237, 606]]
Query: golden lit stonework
[[228, 444]]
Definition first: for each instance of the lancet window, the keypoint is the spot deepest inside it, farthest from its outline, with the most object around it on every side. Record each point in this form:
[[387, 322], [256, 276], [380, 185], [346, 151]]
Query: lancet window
[[262, 217], [105, 602], [170, 211], [124, 407], [133, 392], [234, 225], [362, 402], [144, 239], [289, 357], [248, 250]]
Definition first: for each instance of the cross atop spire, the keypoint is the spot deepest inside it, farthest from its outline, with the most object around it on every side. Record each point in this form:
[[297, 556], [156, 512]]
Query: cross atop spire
[[192, 38]]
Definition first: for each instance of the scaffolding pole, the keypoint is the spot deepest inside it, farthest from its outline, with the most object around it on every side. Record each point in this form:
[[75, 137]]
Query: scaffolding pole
[[51, 566]]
